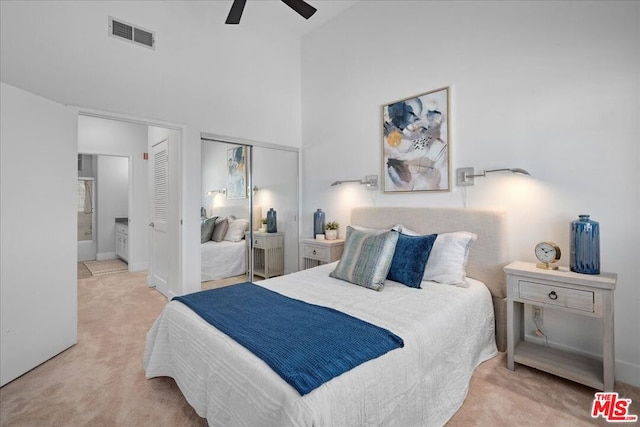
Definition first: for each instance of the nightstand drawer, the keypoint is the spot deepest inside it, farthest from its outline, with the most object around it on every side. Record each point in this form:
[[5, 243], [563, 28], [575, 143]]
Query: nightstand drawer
[[316, 252], [259, 242], [556, 295]]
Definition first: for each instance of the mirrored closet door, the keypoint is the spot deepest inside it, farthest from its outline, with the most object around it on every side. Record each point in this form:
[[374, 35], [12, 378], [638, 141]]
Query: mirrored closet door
[[249, 211]]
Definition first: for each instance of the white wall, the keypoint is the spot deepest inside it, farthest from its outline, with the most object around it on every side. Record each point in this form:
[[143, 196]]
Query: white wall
[[551, 87], [38, 274], [205, 75], [120, 138], [112, 201]]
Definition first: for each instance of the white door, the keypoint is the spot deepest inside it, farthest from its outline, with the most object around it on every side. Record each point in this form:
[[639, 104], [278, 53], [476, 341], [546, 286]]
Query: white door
[[38, 215], [159, 265]]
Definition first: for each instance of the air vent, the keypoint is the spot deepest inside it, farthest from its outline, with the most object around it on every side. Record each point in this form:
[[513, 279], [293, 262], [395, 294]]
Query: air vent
[[131, 33]]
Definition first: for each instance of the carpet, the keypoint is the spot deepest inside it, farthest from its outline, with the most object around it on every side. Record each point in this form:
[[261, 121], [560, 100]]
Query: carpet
[[83, 271], [108, 266], [100, 381]]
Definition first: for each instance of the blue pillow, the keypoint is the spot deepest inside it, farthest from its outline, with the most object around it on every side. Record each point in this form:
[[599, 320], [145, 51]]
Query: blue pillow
[[206, 228], [366, 258], [410, 259]]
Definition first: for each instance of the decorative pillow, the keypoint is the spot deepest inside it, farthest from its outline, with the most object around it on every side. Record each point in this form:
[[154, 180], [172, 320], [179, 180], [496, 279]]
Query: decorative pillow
[[236, 230], [448, 258], [366, 258], [220, 230], [206, 228], [410, 259], [397, 227]]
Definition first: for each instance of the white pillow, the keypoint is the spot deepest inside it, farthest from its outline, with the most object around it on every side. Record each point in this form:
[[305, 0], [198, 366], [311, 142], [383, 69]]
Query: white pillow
[[237, 228], [448, 258]]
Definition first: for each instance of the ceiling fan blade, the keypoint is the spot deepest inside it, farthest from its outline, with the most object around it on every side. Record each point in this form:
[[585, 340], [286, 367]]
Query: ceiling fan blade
[[302, 7], [236, 12]]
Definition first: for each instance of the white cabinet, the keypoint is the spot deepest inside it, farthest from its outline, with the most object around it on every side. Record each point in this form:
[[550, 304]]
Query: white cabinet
[[122, 236], [582, 294]]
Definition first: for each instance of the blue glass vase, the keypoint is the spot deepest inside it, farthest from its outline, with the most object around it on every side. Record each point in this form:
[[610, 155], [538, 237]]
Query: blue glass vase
[[585, 246], [272, 221], [318, 222]]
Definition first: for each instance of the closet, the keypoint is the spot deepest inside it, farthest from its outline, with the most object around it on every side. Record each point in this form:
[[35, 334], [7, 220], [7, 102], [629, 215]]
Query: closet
[[249, 181]]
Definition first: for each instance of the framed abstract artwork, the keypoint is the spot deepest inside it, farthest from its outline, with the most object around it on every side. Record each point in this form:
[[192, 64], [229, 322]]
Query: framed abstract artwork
[[415, 143], [237, 173]]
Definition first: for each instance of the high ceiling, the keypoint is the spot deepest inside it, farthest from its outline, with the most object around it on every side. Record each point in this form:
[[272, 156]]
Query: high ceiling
[[259, 13]]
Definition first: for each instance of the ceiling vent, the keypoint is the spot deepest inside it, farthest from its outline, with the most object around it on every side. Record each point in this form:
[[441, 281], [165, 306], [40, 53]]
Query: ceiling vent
[[131, 33]]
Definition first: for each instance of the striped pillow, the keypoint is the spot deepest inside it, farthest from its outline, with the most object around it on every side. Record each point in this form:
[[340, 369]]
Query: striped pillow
[[366, 258]]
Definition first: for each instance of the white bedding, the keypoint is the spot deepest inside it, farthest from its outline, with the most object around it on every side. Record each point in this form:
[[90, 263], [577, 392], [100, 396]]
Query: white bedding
[[222, 259], [447, 331]]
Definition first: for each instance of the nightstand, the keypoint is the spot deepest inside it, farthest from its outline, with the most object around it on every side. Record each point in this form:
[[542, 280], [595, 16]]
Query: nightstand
[[317, 252], [268, 253], [582, 294]]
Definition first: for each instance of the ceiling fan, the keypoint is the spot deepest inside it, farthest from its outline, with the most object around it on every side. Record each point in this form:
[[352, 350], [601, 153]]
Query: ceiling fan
[[300, 6]]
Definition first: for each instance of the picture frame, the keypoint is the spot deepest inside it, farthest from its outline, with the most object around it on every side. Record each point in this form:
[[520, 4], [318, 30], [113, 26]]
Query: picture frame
[[416, 143], [237, 173]]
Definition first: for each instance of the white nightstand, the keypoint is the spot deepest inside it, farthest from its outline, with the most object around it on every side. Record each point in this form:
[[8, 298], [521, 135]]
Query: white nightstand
[[583, 294], [268, 253], [316, 252]]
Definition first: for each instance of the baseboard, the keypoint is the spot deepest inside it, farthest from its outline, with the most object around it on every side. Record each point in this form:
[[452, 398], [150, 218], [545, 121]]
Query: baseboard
[[138, 266], [628, 373], [105, 255]]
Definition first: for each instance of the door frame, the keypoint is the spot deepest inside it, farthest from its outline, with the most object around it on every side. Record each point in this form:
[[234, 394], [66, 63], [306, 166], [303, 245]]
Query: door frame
[[182, 131]]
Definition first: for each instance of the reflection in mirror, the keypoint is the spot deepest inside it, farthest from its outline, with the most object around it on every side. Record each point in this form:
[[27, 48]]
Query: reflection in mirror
[[246, 184], [225, 214], [275, 180]]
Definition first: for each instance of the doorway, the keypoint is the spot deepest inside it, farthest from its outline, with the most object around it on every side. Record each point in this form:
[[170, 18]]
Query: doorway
[[86, 218], [110, 136]]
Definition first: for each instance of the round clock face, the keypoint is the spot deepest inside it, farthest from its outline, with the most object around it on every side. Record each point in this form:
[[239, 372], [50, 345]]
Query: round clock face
[[547, 252]]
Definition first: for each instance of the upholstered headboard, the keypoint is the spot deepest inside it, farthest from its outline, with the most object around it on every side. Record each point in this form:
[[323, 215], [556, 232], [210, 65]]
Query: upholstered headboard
[[240, 212], [488, 254]]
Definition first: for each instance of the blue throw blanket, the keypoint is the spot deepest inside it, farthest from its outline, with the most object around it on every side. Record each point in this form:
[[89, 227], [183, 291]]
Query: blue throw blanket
[[305, 344]]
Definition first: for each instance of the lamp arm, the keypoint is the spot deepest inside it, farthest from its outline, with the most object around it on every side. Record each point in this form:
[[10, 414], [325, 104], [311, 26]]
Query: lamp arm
[[347, 180]]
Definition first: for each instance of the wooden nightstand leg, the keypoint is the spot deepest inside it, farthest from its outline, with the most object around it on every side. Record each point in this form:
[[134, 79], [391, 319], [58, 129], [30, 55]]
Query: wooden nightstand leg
[[608, 344], [514, 328]]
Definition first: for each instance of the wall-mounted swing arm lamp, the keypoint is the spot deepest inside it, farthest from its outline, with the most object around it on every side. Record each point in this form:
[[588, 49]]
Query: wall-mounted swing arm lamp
[[465, 176], [371, 181], [214, 192]]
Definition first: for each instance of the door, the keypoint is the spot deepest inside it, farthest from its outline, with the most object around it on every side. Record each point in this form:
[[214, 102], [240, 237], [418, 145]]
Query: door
[[159, 265], [165, 224], [38, 249]]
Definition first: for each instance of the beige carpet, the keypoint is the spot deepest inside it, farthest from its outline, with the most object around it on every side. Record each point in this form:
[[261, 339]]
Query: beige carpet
[[108, 266], [83, 271], [100, 381]]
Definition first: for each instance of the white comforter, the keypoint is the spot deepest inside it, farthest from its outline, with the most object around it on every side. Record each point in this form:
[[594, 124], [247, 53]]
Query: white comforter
[[222, 259], [447, 332]]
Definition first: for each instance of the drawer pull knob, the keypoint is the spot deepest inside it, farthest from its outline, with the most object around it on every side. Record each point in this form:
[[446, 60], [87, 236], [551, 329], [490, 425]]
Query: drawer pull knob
[[553, 295], [314, 251]]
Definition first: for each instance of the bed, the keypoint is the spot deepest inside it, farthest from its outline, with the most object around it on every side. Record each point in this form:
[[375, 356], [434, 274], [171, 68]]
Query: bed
[[225, 258], [447, 331]]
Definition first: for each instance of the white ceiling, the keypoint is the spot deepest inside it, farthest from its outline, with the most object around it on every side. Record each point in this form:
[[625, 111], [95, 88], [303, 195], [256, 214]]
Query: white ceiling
[[258, 13]]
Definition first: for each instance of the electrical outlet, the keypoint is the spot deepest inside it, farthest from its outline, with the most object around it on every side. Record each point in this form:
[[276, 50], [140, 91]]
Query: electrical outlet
[[536, 312]]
